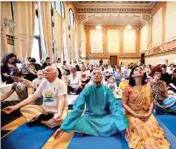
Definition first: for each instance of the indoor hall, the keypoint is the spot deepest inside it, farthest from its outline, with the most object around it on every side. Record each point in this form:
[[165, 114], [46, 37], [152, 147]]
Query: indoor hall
[[88, 74]]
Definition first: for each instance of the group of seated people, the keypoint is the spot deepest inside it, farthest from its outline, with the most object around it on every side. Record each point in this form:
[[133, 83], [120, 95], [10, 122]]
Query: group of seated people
[[96, 110]]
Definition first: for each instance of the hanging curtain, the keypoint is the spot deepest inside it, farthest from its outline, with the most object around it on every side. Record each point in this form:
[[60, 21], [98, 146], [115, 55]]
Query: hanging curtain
[[31, 22], [47, 26], [24, 17], [58, 32]]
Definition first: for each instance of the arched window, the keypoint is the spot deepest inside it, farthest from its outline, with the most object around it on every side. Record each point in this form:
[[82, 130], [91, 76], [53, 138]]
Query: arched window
[[59, 6], [62, 10], [71, 18], [53, 4]]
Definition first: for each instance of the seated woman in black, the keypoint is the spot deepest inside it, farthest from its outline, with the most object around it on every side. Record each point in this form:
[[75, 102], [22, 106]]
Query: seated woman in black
[[172, 85], [46, 63], [8, 65], [165, 76]]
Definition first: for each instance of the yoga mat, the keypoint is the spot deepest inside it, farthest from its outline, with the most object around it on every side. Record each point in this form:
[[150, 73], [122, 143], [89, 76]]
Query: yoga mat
[[7, 118], [169, 121], [92, 142], [4, 132], [26, 137], [169, 135], [124, 142]]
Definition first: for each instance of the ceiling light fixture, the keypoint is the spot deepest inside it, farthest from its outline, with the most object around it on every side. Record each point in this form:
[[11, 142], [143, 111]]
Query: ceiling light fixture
[[128, 27], [99, 27]]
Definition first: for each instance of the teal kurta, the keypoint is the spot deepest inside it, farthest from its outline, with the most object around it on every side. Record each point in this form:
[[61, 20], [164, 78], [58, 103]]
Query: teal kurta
[[103, 116]]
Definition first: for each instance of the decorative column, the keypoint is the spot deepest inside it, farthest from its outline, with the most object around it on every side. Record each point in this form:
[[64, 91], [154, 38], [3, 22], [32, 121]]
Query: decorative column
[[121, 39], [87, 42], [137, 39], [105, 44], [147, 19], [163, 22]]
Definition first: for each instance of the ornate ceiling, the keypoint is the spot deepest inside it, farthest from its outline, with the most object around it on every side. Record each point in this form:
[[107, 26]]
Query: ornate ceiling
[[112, 19], [113, 12], [113, 6]]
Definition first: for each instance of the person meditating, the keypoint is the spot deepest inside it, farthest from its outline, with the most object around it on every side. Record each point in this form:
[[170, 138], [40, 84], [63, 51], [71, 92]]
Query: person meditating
[[144, 131], [102, 116], [163, 101], [21, 86], [50, 113]]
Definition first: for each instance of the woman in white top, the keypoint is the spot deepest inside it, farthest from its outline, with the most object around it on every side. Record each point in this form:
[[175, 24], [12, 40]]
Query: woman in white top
[[74, 83], [85, 76], [107, 73]]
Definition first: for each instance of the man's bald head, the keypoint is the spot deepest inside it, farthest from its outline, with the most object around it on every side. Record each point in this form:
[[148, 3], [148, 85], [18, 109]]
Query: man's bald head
[[97, 76], [50, 73]]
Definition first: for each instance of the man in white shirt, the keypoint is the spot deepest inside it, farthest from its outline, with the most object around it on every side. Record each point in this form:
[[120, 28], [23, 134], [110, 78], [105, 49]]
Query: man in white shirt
[[54, 92]]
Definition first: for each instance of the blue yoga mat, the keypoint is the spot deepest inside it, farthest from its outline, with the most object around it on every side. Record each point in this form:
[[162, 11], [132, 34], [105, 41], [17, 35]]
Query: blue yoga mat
[[169, 121], [26, 137], [169, 135], [92, 142]]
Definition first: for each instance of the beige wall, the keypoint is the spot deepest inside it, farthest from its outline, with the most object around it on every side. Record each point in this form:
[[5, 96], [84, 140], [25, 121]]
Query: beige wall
[[132, 51], [129, 41], [113, 37], [160, 59], [170, 21], [82, 41], [96, 61], [127, 61], [157, 28], [144, 38], [163, 31], [5, 13]]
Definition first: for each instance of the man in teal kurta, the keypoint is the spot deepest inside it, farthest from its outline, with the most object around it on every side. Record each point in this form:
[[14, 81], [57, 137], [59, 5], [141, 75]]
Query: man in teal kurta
[[102, 116]]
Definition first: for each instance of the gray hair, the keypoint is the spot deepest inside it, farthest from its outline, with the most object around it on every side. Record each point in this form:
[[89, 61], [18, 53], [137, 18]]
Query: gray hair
[[54, 69]]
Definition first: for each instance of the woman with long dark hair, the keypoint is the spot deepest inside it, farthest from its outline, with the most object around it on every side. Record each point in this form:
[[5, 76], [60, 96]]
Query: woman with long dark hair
[[144, 131], [8, 64]]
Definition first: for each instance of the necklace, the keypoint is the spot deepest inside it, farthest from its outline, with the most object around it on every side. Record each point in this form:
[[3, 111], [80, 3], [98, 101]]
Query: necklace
[[137, 89]]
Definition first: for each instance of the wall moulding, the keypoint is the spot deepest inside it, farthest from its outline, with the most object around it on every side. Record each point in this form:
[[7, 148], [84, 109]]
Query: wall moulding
[[157, 6], [164, 48], [162, 53], [113, 10]]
